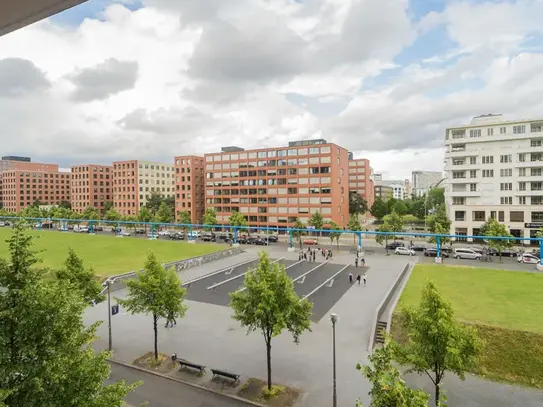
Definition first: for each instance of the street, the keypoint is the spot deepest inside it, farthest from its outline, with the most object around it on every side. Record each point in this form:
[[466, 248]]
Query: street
[[160, 392]]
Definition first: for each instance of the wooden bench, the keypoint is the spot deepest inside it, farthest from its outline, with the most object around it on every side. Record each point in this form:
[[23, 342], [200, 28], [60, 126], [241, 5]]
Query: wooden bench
[[190, 365], [223, 373]]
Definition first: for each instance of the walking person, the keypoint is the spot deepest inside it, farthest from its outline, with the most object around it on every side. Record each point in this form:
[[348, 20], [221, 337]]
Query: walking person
[[356, 262], [350, 277], [314, 255], [305, 256], [358, 279], [365, 278], [363, 261]]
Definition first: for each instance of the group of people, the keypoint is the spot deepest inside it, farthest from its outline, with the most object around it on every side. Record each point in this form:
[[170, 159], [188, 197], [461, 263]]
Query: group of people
[[308, 255], [359, 277]]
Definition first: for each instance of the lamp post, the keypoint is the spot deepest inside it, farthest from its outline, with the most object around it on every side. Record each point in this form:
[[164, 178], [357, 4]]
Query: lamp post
[[334, 318], [109, 281]]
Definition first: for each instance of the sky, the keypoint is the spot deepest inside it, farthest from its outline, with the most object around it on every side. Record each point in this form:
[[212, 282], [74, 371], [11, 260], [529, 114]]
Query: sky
[[150, 79]]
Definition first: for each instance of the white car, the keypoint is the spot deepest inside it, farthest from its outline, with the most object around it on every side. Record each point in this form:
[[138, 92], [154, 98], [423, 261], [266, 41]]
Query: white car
[[404, 251], [125, 233], [164, 233], [527, 258]]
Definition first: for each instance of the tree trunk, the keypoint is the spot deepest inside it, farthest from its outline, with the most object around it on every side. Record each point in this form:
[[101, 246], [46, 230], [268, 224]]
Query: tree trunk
[[300, 241], [337, 241], [500, 251], [437, 394], [155, 328], [268, 360]]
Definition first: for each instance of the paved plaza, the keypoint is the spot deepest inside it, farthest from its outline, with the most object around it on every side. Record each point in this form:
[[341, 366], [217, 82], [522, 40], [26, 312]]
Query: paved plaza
[[208, 334]]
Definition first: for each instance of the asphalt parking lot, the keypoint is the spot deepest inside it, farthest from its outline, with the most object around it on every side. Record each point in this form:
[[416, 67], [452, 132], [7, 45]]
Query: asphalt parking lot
[[323, 283]]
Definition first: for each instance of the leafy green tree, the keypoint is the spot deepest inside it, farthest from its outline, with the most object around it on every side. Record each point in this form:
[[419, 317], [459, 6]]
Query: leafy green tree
[[82, 279], [184, 218], [379, 209], [539, 233], [438, 230], [164, 214], [440, 216], [107, 206], [354, 225], [237, 219], [65, 205], [154, 201], [357, 204], [385, 228], [112, 215], [496, 229], [396, 222], [31, 212], [269, 304], [333, 234], [297, 234], [390, 204], [435, 198], [133, 219], [437, 342], [46, 358], [210, 219], [418, 208], [155, 291], [90, 213], [317, 221], [145, 216], [388, 388], [400, 208]]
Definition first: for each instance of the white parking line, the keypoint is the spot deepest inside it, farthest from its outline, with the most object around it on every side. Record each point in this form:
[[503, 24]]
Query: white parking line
[[301, 281], [213, 273], [331, 279], [212, 287], [292, 265]]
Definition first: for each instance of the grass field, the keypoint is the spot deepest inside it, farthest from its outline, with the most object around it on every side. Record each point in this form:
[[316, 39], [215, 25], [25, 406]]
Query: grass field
[[108, 255], [505, 307]]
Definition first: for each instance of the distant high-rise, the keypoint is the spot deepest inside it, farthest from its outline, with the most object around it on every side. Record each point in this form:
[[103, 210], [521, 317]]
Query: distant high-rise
[[422, 181]]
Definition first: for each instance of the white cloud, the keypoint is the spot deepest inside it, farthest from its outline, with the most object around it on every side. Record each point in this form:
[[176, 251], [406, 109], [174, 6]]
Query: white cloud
[[190, 76]]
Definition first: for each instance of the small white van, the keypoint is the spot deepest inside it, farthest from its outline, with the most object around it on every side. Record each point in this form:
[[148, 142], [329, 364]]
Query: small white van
[[467, 254]]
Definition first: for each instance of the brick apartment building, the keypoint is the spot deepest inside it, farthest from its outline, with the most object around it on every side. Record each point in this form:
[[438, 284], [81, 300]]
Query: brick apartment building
[[135, 180], [190, 187], [274, 186], [361, 179], [91, 185]]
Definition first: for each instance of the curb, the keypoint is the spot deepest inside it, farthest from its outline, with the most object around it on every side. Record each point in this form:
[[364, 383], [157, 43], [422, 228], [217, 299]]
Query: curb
[[174, 379]]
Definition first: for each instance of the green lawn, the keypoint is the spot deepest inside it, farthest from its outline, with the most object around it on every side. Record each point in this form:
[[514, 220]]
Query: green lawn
[[507, 299], [108, 255]]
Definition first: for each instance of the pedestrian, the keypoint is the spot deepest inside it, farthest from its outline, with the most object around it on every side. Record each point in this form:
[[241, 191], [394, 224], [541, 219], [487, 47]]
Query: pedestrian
[[330, 253], [358, 278], [363, 262], [365, 277], [356, 262], [357, 253], [305, 256], [314, 255], [299, 256], [323, 252], [350, 277]]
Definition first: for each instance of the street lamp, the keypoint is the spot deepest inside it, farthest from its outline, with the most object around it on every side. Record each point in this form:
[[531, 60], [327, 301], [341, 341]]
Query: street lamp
[[109, 281], [334, 318]]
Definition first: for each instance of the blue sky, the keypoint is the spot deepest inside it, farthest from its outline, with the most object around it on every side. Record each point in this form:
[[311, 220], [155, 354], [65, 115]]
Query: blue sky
[[90, 9]]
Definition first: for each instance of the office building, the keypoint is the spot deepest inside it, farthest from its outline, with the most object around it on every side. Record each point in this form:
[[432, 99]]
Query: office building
[[422, 181], [275, 186], [92, 185], [135, 180], [407, 189], [384, 192], [360, 179], [22, 188], [494, 168], [190, 187]]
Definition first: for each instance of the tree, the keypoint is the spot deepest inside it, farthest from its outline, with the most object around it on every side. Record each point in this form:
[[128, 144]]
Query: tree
[[388, 388], [153, 202], [133, 221], [379, 209], [297, 234], [390, 204], [317, 221], [440, 216], [145, 216], [45, 353], [82, 279], [418, 208], [539, 233], [400, 208], [435, 198], [385, 228], [396, 223], [438, 230], [65, 205], [357, 204], [237, 220], [270, 304], [496, 229], [107, 206], [112, 215], [90, 213], [334, 234], [184, 218], [210, 219], [164, 214], [354, 225], [437, 342], [155, 291]]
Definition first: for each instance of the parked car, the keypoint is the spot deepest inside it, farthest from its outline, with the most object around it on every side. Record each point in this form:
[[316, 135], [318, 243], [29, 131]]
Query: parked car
[[310, 242], [470, 254], [151, 235], [98, 228], [271, 238], [125, 233], [2, 224], [528, 258], [164, 233], [479, 250], [260, 242], [404, 251], [431, 252], [418, 248], [208, 238], [140, 231], [176, 236], [505, 252], [394, 245], [81, 229]]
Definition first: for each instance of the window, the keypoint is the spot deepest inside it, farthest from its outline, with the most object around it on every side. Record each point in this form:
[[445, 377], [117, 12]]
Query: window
[[516, 216], [506, 186], [473, 187], [459, 200], [522, 158], [522, 172], [460, 216], [506, 172], [536, 172], [490, 132], [506, 200], [473, 173], [519, 129], [522, 200], [503, 130], [488, 159], [473, 160], [488, 173], [536, 186], [475, 133], [537, 216], [459, 174], [535, 143], [506, 158], [479, 216], [536, 200], [522, 186]]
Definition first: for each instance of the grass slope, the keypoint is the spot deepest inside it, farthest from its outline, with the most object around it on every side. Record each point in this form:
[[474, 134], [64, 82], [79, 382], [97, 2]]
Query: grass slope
[[505, 308], [108, 255]]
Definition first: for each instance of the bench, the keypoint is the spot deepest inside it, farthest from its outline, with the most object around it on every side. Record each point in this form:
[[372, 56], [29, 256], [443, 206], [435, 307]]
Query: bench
[[185, 363], [233, 376]]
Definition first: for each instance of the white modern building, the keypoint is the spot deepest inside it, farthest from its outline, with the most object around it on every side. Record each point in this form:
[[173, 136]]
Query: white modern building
[[423, 181], [494, 168]]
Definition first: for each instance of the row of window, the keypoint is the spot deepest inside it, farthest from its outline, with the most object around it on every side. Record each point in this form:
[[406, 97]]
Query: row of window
[[505, 200], [490, 131], [13, 175], [94, 176], [291, 162], [504, 172], [358, 163], [87, 169], [270, 154], [189, 161], [482, 216], [270, 201], [158, 167], [269, 191]]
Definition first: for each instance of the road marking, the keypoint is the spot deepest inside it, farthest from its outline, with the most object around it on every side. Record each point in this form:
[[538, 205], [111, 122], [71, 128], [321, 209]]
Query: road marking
[[301, 281], [213, 273], [330, 284], [229, 271], [212, 287], [292, 265], [326, 282]]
